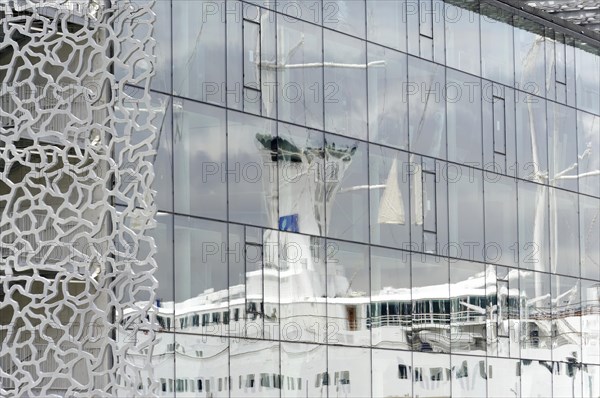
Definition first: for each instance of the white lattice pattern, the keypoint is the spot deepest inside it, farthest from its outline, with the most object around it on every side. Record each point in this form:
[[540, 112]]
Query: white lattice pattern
[[76, 150]]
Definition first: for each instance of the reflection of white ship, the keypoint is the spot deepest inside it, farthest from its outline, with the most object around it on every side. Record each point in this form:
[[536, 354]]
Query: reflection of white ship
[[300, 298]]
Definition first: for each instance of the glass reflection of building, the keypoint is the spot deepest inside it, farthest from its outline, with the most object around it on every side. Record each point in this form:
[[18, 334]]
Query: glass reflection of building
[[378, 198]]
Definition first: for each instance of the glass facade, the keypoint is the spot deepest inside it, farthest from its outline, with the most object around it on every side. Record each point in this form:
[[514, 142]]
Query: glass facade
[[375, 198]]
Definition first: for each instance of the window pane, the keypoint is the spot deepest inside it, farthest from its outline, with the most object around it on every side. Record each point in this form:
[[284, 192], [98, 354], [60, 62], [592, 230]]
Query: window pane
[[345, 85], [307, 10], [201, 361], [200, 268], [588, 138], [199, 146], [529, 56], [462, 35], [432, 375], [302, 288], [301, 180], [163, 238], [503, 377], [590, 317], [497, 61], [501, 220], [566, 319], [346, 189], [200, 35], [469, 375], [392, 373], [536, 378], [389, 197], [386, 23], [162, 34], [431, 302], [352, 380], [589, 234], [388, 108], [257, 380], [534, 233], [463, 95], [532, 144], [468, 309], [300, 83], [301, 363], [347, 16], [427, 113], [587, 62], [535, 316], [390, 313], [348, 292], [562, 146], [465, 212], [252, 170], [564, 232]]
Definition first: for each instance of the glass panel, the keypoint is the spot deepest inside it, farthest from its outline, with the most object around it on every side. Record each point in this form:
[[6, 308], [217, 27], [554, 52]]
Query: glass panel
[[252, 170], [432, 375], [262, 378], [163, 238], [503, 378], [502, 289], [164, 364], [497, 61], [590, 319], [425, 26], [534, 233], [386, 23], [388, 109], [468, 306], [429, 201], [591, 380], [588, 80], [201, 365], [163, 145], [564, 232], [566, 319], [536, 327], [346, 189], [588, 140], [347, 16], [199, 146], [463, 96], [469, 376], [431, 304], [562, 146], [589, 236], [307, 10], [199, 30], [301, 364], [390, 311], [301, 168], [392, 373], [427, 113], [303, 288], [300, 77], [529, 56], [345, 85], [389, 197], [465, 212], [531, 138], [162, 34], [462, 35], [349, 371], [200, 275], [536, 378], [501, 220], [348, 293]]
